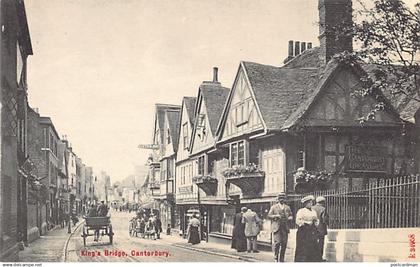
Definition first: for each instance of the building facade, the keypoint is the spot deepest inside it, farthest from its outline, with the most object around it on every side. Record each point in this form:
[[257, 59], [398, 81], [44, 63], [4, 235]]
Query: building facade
[[15, 48]]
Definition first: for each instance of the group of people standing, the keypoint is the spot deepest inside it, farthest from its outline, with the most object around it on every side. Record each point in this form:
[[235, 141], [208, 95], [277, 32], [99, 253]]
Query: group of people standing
[[146, 227], [312, 222]]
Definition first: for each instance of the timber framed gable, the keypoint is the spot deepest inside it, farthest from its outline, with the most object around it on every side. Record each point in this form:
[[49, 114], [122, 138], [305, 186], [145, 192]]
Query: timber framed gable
[[241, 114]]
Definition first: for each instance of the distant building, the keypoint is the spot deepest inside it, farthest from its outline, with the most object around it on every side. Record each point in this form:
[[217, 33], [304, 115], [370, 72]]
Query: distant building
[[50, 150]]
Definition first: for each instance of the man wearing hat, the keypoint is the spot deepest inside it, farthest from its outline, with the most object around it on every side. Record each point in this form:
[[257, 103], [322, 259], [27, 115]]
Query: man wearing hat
[[279, 215], [322, 215]]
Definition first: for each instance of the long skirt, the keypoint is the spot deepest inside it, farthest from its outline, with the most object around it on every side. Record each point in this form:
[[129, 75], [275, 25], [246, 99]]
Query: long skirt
[[194, 236], [239, 242], [307, 244]]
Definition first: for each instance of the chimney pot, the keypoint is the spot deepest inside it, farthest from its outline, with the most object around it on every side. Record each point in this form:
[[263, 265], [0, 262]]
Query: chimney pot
[[302, 46], [297, 48], [215, 74], [290, 49]]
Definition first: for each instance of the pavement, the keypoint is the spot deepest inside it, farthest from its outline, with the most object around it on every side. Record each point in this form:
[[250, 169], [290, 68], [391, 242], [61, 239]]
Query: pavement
[[49, 247], [218, 249], [57, 246]]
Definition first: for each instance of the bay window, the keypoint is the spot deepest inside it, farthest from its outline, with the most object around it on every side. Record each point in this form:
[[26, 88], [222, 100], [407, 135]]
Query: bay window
[[237, 153]]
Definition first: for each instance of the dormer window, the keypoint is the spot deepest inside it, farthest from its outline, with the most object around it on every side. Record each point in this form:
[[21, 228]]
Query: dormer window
[[185, 135], [201, 126]]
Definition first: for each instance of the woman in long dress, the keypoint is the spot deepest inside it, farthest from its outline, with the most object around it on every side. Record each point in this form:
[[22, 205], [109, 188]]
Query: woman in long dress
[[306, 236], [238, 236], [194, 230]]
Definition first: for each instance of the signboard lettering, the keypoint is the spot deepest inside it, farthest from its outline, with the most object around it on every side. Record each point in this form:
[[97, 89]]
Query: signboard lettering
[[366, 158]]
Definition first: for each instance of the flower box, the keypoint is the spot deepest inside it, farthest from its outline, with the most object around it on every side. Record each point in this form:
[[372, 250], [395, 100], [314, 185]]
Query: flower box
[[207, 183], [250, 179], [309, 181]]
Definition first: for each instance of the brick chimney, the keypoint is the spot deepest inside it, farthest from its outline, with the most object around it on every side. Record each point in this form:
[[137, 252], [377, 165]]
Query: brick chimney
[[334, 14], [215, 74]]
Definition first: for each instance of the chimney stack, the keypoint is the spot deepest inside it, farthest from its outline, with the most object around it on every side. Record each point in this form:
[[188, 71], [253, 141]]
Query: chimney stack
[[334, 15], [296, 48], [215, 74]]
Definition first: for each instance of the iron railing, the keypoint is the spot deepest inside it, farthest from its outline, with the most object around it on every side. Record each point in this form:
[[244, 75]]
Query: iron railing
[[385, 203]]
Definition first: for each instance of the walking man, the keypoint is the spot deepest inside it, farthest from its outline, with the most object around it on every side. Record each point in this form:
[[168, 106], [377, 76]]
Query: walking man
[[280, 214], [252, 229], [322, 215]]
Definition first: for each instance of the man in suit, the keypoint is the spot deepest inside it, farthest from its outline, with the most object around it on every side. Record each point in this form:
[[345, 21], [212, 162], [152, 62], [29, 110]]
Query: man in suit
[[252, 229], [322, 215], [280, 214]]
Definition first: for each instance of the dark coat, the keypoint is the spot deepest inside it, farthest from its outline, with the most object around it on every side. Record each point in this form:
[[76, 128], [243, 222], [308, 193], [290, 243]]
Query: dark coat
[[238, 237], [322, 215]]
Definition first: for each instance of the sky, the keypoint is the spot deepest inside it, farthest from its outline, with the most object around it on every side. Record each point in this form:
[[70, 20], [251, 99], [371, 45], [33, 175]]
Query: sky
[[99, 66]]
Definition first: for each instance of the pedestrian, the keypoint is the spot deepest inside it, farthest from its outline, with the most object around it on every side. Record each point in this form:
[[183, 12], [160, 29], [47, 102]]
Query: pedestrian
[[150, 228], [306, 236], [323, 218], [238, 236], [92, 211], [252, 229], [102, 209], [280, 215], [194, 230], [61, 217], [158, 226]]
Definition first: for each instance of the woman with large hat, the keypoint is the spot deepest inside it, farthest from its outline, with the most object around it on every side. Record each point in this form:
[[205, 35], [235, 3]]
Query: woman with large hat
[[306, 236]]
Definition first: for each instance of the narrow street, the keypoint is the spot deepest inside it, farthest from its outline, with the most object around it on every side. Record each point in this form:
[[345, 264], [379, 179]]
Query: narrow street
[[123, 243]]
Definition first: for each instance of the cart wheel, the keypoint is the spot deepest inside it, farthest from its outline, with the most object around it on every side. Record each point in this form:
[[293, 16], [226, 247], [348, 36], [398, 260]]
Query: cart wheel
[[110, 234], [84, 235]]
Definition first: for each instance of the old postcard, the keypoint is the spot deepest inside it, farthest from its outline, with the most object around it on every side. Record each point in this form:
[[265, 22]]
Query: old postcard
[[210, 131]]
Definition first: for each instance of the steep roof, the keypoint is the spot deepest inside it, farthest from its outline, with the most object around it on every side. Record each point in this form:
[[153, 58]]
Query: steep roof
[[279, 91], [160, 115], [214, 96], [403, 104], [173, 122], [189, 103]]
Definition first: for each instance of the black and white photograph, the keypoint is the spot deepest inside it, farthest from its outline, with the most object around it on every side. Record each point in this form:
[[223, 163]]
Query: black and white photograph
[[228, 131]]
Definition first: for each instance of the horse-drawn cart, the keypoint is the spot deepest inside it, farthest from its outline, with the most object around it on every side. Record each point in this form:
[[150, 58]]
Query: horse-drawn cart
[[98, 226]]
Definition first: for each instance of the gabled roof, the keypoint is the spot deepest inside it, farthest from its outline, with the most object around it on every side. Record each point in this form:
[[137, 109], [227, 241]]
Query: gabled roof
[[189, 103], [279, 91], [214, 97], [160, 115], [402, 104], [173, 117], [284, 94]]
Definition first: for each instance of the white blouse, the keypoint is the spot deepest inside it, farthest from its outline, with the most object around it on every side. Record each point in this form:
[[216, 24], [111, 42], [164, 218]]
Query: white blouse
[[307, 216]]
